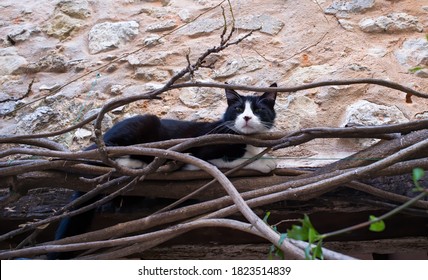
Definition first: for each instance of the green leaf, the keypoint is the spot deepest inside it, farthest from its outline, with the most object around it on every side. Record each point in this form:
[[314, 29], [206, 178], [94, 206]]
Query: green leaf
[[282, 238], [312, 235], [376, 226], [279, 253], [298, 233], [417, 174], [275, 251], [305, 232], [308, 255], [306, 222], [415, 69], [271, 252], [317, 251], [266, 217], [275, 229]]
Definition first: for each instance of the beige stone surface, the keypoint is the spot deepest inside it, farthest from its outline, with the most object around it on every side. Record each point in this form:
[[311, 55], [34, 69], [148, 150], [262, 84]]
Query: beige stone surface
[[298, 43]]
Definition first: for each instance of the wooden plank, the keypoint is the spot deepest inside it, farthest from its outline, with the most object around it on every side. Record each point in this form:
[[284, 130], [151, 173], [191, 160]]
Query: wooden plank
[[403, 248]]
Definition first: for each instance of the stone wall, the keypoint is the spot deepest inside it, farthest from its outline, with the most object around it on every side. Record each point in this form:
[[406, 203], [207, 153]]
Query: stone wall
[[46, 44]]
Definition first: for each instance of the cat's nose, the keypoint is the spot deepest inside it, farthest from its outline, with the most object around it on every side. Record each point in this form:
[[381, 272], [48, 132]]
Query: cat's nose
[[247, 118]]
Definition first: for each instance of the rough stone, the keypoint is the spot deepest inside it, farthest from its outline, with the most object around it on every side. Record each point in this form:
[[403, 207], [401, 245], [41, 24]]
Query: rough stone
[[309, 74], [51, 87], [241, 80], [232, 67], [200, 97], [367, 113], [423, 73], [117, 89], [14, 88], [201, 27], [147, 59], [157, 12], [364, 112], [107, 121], [377, 51], [153, 86], [252, 63], [202, 2], [353, 6], [163, 2], [153, 40], [42, 117], [111, 68], [52, 62], [133, 60], [342, 95], [346, 24], [143, 73], [370, 25], [413, 52], [267, 23], [108, 35], [394, 22], [297, 112], [10, 62], [299, 53], [75, 8], [185, 15], [421, 115], [7, 107], [61, 26], [117, 111], [161, 26], [82, 133], [22, 33], [358, 68]]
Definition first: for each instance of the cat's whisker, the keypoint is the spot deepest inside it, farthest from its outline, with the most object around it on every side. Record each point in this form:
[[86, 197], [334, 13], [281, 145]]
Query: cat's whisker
[[268, 125], [218, 129], [233, 128], [224, 127]]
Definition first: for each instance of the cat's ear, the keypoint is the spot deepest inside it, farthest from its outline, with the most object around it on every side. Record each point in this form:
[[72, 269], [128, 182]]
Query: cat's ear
[[232, 97], [270, 96]]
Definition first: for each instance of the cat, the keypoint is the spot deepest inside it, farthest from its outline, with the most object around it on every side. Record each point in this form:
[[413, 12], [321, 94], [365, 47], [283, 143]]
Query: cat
[[244, 115]]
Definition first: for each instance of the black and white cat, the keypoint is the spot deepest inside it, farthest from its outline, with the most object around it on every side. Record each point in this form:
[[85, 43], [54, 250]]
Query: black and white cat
[[244, 115]]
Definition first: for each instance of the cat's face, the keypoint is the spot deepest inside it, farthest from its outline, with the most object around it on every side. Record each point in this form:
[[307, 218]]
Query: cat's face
[[250, 114]]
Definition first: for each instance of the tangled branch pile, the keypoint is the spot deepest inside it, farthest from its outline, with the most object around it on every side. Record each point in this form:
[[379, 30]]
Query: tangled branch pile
[[403, 148]]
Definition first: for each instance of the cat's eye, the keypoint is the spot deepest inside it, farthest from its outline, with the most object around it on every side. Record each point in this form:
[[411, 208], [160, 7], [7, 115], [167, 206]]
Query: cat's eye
[[239, 109], [258, 110]]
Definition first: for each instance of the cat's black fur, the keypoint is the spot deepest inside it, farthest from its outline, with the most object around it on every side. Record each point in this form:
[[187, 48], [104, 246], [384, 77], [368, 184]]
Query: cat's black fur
[[255, 111]]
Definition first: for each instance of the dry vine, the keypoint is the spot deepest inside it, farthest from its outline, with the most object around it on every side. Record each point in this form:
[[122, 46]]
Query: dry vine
[[405, 147]]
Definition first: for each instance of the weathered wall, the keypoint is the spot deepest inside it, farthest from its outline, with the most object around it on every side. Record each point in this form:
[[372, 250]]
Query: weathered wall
[[45, 44]]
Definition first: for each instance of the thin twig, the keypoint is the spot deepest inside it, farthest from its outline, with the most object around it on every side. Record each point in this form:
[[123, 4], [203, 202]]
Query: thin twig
[[377, 219]]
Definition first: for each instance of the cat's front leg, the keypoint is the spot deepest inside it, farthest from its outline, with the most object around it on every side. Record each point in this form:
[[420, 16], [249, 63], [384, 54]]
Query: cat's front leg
[[264, 164], [127, 161]]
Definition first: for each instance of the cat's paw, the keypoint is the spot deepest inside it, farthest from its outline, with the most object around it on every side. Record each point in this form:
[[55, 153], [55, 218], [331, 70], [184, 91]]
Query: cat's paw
[[264, 164], [190, 167], [127, 161]]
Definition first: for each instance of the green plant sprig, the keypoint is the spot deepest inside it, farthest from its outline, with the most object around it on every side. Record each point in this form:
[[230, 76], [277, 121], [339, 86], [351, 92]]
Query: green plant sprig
[[307, 232]]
